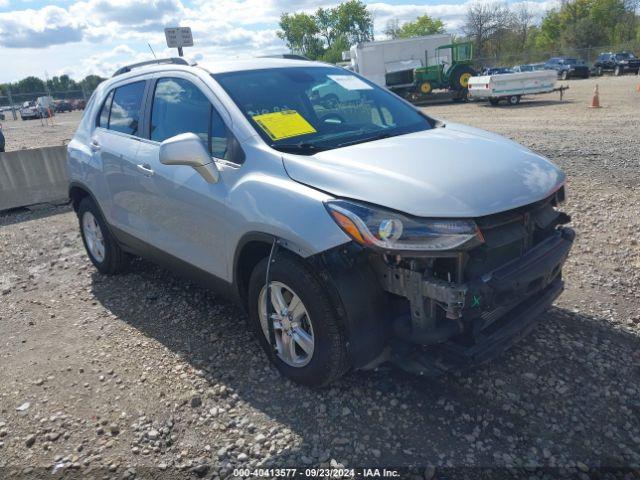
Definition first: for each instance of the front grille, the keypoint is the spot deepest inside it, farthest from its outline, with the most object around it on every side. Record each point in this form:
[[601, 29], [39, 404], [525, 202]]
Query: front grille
[[508, 235]]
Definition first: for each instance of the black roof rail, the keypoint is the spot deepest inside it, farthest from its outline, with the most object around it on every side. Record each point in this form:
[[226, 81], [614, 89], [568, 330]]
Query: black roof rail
[[158, 61]]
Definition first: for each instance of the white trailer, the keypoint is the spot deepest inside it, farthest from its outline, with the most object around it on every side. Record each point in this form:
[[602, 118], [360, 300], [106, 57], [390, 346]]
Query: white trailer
[[512, 86], [385, 62]]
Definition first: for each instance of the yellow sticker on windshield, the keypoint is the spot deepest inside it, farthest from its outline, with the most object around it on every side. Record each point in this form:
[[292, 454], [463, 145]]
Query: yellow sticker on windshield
[[285, 124]]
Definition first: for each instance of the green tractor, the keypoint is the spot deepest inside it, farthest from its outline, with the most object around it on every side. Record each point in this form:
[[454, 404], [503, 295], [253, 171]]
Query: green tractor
[[451, 71]]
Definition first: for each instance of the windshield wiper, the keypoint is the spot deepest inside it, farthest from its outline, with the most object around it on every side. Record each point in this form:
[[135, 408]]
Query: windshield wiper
[[296, 147], [372, 138]]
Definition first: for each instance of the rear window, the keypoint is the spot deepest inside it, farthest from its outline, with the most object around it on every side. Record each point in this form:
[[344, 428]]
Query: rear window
[[121, 110]]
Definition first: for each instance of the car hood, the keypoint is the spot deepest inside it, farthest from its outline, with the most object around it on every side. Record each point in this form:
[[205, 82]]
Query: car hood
[[455, 171]]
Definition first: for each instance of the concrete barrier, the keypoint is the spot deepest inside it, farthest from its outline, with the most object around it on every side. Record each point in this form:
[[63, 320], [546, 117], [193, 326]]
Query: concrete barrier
[[33, 176]]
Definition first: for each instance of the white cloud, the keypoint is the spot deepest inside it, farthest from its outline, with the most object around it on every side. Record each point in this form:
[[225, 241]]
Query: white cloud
[[106, 34], [50, 25]]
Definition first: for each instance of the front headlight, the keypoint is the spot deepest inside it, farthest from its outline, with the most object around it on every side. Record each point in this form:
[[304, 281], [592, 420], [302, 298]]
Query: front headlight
[[387, 230]]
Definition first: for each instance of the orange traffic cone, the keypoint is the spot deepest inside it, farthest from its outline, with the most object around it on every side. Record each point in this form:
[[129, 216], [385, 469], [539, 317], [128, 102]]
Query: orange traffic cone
[[595, 101]]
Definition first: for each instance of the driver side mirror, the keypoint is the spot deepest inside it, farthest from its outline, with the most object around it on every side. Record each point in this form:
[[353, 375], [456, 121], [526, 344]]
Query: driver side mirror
[[188, 149]]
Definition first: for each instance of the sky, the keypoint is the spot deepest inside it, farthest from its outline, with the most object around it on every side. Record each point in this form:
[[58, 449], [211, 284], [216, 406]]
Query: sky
[[81, 37]]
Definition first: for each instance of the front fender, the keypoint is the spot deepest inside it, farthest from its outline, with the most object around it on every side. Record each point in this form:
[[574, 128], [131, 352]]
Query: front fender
[[279, 207]]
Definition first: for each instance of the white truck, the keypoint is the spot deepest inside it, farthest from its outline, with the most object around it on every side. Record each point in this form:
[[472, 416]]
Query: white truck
[[390, 63], [512, 86]]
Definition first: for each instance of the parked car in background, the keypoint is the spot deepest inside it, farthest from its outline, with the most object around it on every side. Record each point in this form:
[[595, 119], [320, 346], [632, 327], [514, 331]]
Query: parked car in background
[[618, 63], [531, 67], [62, 106], [1, 140], [2, 116], [496, 70], [29, 111], [568, 67], [345, 243], [78, 104]]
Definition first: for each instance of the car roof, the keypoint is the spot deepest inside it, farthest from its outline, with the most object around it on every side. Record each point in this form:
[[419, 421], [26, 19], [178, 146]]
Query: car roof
[[257, 64], [215, 67]]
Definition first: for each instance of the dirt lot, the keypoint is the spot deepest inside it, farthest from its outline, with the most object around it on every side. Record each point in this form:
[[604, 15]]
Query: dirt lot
[[21, 134], [143, 375]]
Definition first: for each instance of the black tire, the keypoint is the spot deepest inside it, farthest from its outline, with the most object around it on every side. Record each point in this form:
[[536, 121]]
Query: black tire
[[513, 100], [494, 101], [457, 75], [329, 360], [115, 259]]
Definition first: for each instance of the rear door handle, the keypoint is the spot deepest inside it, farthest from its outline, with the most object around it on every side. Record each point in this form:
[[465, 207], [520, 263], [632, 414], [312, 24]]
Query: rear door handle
[[95, 146], [145, 169]]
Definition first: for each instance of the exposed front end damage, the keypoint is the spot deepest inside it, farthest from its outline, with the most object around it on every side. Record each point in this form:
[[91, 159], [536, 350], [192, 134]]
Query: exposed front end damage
[[452, 309], [473, 304]]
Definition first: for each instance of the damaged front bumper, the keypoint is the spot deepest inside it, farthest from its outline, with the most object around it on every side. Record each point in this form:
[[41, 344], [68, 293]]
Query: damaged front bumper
[[473, 321]]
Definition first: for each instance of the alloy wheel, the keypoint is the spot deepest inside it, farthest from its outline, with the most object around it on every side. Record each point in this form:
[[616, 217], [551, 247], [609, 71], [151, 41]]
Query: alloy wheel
[[93, 236], [292, 328]]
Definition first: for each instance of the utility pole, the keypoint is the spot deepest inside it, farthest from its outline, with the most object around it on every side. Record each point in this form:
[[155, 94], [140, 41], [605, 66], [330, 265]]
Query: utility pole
[[13, 107]]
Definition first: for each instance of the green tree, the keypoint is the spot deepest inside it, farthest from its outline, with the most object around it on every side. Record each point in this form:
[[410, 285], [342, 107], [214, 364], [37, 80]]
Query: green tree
[[423, 25], [326, 21], [329, 31], [300, 32], [579, 24], [354, 22], [392, 28], [91, 82]]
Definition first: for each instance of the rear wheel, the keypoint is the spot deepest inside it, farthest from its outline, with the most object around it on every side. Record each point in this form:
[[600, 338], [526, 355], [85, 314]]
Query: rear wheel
[[103, 250], [310, 346], [459, 79], [494, 101], [514, 99]]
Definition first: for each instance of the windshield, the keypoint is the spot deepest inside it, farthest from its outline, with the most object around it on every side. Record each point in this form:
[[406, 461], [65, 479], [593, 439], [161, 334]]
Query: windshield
[[308, 109]]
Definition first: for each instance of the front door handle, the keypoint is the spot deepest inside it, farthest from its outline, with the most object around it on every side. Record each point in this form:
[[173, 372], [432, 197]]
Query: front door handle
[[145, 169], [95, 146]]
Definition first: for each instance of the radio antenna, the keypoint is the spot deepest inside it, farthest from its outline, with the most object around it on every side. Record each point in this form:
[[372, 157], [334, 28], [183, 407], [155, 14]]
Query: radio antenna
[[154, 53]]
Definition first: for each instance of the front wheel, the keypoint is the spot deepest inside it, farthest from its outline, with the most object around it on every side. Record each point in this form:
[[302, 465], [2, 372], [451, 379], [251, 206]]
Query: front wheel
[[564, 75], [309, 343]]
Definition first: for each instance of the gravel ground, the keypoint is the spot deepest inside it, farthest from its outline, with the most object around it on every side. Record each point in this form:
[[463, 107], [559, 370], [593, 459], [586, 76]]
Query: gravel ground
[[20, 134], [144, 375]]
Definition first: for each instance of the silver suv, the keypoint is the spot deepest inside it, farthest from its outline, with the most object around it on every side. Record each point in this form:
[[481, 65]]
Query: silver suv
[[353, 230]]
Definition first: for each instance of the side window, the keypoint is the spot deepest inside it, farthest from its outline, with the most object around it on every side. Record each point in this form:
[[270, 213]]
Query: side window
[[179, 107], [220, 137], [103, 120], [125, 108]]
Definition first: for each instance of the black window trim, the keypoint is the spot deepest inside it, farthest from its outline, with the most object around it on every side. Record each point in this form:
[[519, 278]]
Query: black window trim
[[141, 123], [110, 94], [148, 110]]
